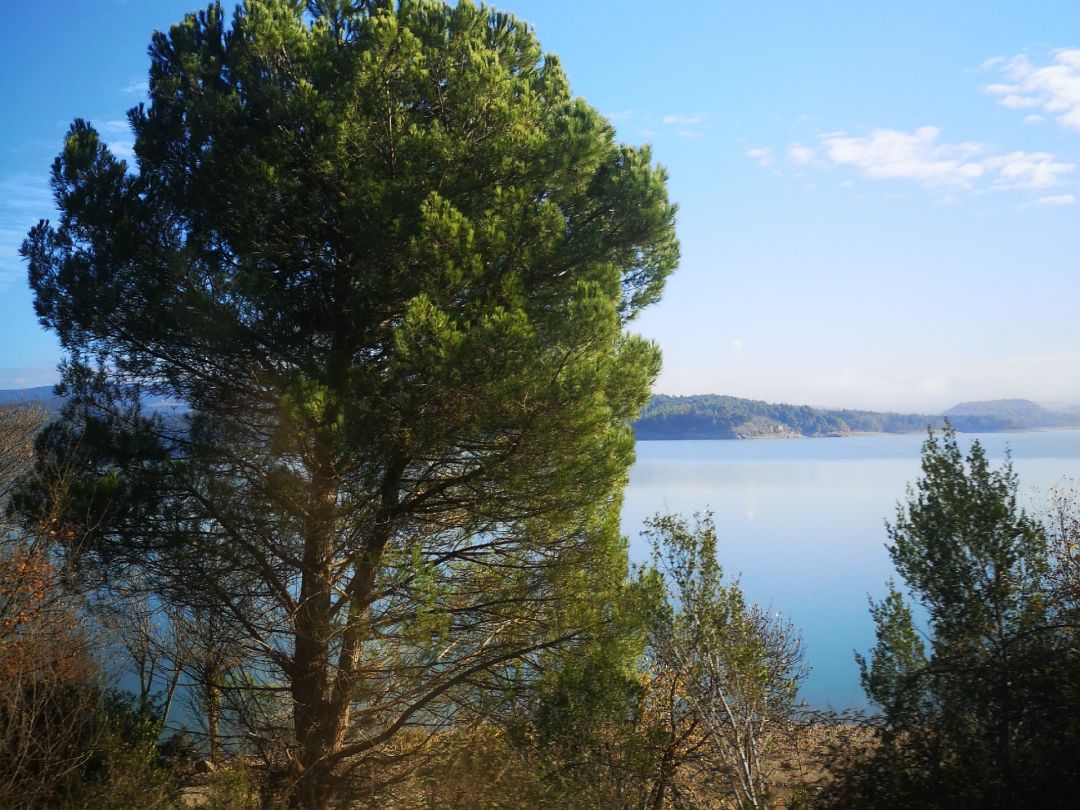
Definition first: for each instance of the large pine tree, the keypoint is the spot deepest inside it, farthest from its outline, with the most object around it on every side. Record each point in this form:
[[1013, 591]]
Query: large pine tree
[[386, 262]]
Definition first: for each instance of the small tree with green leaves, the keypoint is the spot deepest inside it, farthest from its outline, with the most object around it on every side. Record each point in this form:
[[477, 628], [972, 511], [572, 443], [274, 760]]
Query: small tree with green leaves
[[734, 667]]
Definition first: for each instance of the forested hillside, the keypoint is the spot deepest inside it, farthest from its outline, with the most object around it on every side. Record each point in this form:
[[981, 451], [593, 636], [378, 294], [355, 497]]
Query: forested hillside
[[1018, 413], [709, 416]]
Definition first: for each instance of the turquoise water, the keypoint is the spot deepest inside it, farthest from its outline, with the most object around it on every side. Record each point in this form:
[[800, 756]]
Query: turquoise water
[[801, 522]]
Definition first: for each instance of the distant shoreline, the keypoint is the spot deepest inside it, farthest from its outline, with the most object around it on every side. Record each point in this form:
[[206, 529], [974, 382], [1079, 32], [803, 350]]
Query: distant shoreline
[[859, 434], [715, 417]]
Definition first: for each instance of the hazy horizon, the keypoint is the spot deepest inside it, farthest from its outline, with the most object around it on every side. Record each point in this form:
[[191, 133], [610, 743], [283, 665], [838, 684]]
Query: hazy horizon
[[819, 405], [19, 379]]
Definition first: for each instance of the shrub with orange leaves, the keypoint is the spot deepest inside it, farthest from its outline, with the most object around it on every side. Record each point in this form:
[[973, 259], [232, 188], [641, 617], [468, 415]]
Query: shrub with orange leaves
[[48, 681], [40, 629]]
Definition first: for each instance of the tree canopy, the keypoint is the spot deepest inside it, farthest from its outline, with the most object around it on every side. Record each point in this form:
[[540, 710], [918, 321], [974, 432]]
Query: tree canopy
[[387, 261]]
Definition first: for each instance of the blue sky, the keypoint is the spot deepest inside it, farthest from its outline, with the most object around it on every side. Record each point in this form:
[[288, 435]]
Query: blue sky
[[878, 202]]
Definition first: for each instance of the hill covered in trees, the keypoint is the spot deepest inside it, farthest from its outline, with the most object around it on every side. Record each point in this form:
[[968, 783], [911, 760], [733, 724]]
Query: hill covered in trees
[[1019, 413], [710, 416]]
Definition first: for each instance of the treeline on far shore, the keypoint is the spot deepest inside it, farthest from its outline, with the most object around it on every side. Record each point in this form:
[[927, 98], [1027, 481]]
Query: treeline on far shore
[[712, 416], [715, 416]]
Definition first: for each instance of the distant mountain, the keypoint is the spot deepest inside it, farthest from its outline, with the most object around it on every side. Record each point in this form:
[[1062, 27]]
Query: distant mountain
[[1015, 414], [42, 396], [713, 416]]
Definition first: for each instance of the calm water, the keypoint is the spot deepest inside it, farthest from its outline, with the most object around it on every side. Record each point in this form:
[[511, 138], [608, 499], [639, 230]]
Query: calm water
[[802, 523]]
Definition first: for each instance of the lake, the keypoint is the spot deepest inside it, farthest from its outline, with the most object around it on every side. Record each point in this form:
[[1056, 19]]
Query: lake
[[801, 522]]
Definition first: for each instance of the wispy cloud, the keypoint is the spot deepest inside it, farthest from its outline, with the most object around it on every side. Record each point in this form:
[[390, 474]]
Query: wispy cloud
[[762, 154], [122, 149], [24, 199], [1028, 170], [684, 120], [1052, 200], [117, 135], [800, 155], [135, 86], [21, 193], [1053, 88], [113, 127], [690, 126], [921, 157]]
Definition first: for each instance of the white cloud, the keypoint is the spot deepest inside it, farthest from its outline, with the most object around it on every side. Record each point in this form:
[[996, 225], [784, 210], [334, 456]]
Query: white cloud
[[1055, 199], [762, 154], [737, 344], [891, 154], [1054, 88], [690, 126], [920, 156], [135, 86], [122, 149], [116, 126], [800, 155], [1034, 119], [684, 120], [1028, 170], [117, 135]]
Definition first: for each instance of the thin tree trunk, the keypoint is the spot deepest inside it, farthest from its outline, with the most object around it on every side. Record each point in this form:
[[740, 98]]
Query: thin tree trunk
[[213, 715]]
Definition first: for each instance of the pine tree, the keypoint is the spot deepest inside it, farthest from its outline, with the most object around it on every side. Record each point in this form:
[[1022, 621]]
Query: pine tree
[[981, 714], [385, 262]]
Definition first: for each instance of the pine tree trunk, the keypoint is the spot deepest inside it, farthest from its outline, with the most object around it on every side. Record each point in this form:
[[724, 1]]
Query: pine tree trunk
[[314, 719], [313, 712]]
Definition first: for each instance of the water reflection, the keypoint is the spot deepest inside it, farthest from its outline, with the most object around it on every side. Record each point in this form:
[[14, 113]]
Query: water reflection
[[802, 523]]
